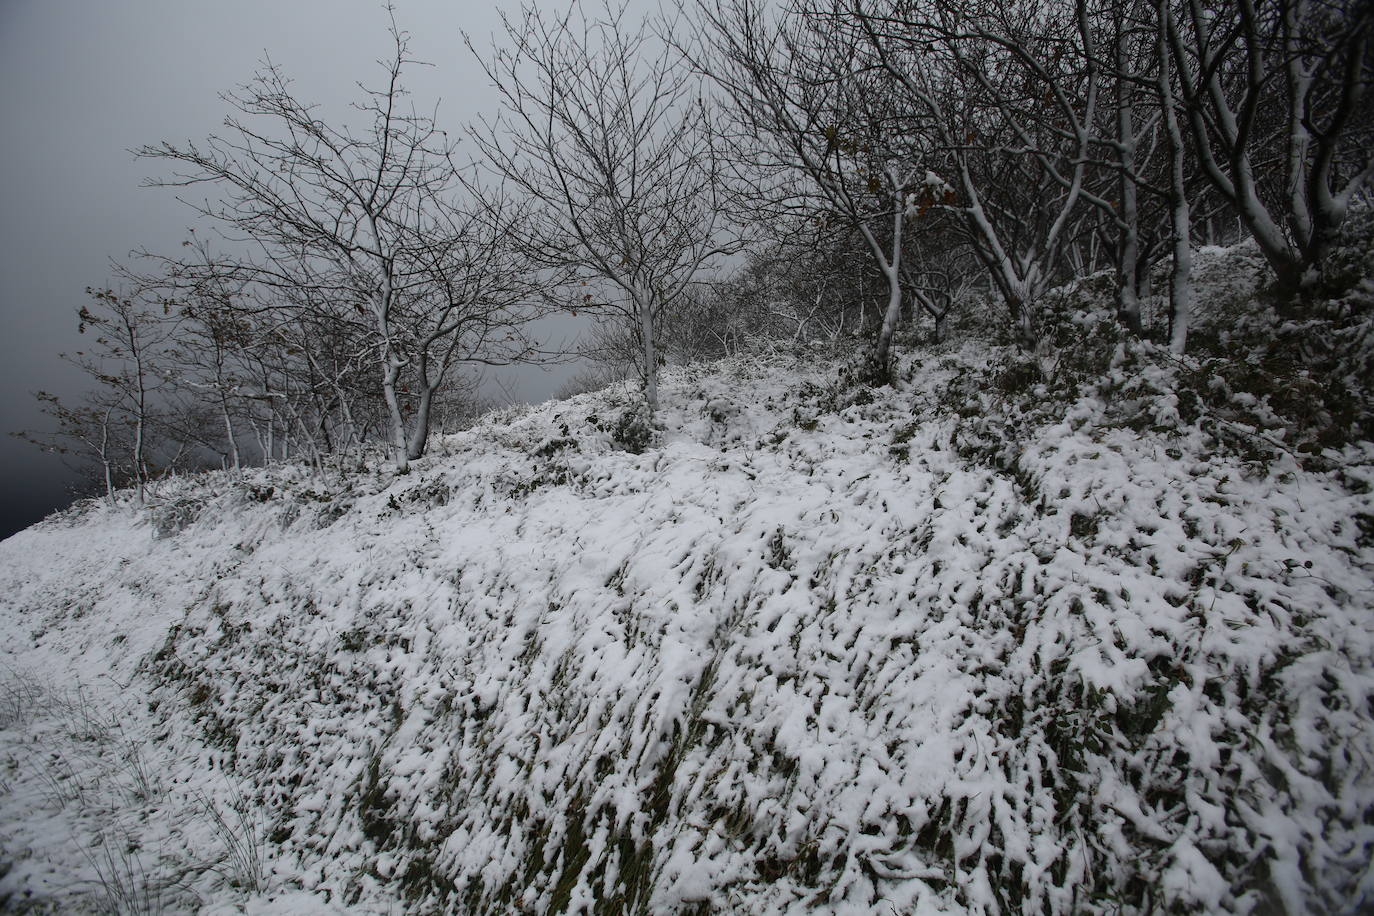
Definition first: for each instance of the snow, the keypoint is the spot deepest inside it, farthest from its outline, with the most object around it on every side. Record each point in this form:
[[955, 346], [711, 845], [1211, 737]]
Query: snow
[[816, 650]]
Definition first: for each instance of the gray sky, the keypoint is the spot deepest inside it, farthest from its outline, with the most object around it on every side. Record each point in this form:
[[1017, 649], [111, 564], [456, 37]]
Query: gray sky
[[84, 82]]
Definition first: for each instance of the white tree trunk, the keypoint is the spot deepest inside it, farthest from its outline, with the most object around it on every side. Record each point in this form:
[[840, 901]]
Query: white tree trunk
[[1128, 298], [1181, 275], [393, 405], [229, 430], [105, 455], [646, 332]]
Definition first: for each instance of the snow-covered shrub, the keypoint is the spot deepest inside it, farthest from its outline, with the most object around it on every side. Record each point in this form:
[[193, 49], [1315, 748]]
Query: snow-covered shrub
[[1230, 285], [172, 517], [78, 511], [253, 492], [1348, 271], [633, 428], [1310, 375]]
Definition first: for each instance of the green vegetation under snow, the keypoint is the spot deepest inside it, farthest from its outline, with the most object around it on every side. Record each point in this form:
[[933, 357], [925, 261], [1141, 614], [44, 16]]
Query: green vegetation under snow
[[991, 639]]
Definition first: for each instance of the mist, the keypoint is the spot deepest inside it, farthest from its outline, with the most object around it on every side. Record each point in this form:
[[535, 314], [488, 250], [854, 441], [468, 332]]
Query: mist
[[88, 82]]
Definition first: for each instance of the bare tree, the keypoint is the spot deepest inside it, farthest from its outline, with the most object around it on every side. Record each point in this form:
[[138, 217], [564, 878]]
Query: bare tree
[[1283, 82], [1123, 188], [376, 225], [610, 135], [130, 336], [1011, 94], [86, 436], [1180, 213], [126, 425], [207, 344], [817, 138], [943, 274]]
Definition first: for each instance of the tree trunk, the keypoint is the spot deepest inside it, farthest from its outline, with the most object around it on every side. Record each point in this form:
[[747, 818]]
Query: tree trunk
[[140, 471], [351, 428], [1128, 265], [138, 459], [1024, 323], [229, 430], [1127, 293], [882, 354], [1180, 280], [891, 266], [1181, 275], [105, 455], [419, 433], [646, 331], [392, 372]]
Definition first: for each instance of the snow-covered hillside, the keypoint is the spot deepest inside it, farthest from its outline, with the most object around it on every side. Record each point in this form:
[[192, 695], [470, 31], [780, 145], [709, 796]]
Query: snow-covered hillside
[[978, 642]]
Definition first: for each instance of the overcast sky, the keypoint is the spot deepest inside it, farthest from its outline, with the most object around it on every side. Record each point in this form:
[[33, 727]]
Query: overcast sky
[[85, 82]]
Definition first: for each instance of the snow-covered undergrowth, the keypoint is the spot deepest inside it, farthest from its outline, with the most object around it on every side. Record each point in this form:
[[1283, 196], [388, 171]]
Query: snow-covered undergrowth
[[984, 641]]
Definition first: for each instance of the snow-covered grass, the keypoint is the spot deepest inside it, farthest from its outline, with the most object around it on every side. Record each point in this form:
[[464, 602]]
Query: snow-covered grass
[[984, 641]]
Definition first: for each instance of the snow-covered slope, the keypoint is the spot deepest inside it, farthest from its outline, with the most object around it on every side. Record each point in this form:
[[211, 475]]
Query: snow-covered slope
[[819, 648]]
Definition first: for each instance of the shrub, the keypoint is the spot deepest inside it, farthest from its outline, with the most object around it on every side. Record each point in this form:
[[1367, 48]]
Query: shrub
[[633, 430], [172, 518]]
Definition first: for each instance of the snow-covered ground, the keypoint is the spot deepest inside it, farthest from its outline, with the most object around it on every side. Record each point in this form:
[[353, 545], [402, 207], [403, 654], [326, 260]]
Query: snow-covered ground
[[819, 649]]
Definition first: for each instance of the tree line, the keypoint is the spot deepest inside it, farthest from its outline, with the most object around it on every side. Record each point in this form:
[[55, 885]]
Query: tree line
[[726, 173]]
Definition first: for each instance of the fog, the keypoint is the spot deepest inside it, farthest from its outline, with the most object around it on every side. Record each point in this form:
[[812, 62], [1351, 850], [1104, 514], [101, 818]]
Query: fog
[[87, 82]]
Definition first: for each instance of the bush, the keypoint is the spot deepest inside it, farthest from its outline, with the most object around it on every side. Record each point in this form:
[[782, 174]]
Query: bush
[[172, 518], [633, 430]]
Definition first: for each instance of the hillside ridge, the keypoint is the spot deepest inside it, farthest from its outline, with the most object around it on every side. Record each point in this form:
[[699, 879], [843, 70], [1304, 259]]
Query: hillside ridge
[[818, 647]]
